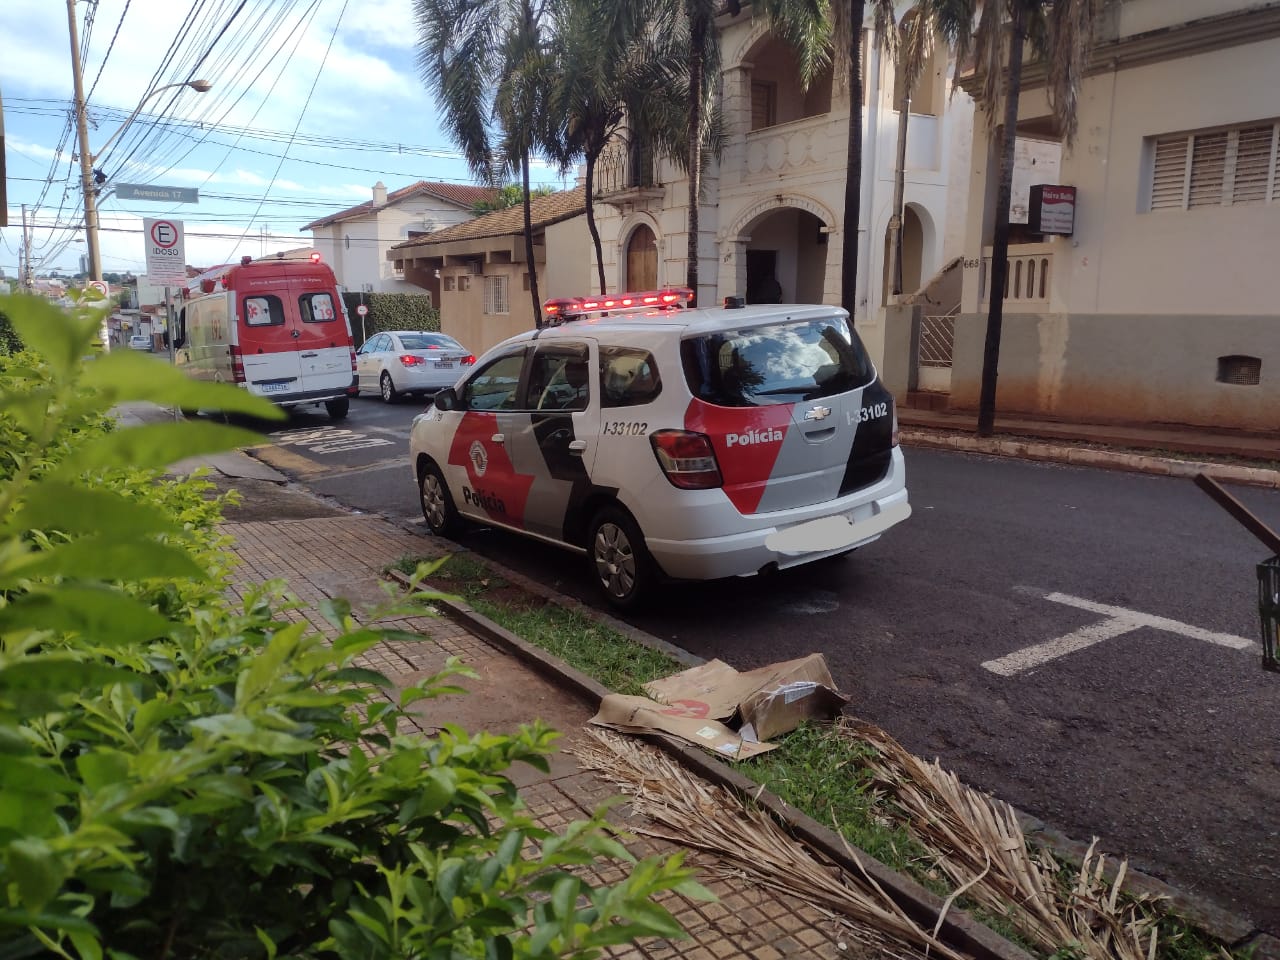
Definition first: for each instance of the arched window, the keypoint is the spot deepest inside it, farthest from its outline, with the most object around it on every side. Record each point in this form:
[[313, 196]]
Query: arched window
[[642, 260]]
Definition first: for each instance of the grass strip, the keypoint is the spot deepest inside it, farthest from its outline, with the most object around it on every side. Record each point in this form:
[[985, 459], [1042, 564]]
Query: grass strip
[[813, 769]]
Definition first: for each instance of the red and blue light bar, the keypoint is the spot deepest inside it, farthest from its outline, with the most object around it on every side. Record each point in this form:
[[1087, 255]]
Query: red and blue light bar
[[568, 307]]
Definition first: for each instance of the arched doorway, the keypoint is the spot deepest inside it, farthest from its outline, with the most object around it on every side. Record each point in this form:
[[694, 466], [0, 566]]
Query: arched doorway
[[786, 258], [912, 254], [642, 260]]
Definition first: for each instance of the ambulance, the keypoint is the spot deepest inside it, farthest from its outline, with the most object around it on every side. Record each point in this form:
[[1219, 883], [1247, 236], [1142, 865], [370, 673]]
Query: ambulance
[[664, 442], [277, 328]]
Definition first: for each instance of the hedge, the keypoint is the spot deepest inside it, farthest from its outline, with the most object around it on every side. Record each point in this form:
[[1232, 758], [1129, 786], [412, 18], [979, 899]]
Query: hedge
[[391, 311]]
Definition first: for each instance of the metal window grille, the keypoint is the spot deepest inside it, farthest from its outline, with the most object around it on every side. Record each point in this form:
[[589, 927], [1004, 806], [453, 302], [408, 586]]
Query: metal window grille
[[1245, 371], [495, 295]]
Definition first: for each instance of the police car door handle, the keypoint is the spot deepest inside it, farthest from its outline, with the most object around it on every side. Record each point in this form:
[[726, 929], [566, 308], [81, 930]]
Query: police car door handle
[[498, 438], [577, 446]]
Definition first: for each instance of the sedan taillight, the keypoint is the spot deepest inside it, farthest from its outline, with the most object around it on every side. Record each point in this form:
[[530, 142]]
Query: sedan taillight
[[687, 459], [409, 360], [469, 360]]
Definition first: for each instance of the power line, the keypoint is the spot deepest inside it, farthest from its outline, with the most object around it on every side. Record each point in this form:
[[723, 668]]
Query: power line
[[110, 46]]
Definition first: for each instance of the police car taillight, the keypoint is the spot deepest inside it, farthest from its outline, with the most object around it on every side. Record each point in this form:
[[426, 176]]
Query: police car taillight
[[687, 459]]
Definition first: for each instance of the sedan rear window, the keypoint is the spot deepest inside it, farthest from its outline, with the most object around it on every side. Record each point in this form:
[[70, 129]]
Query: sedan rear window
[[780, 363], [428, 341]]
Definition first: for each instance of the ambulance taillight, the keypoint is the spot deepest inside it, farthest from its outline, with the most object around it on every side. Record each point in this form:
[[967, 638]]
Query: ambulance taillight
[[237, 364]]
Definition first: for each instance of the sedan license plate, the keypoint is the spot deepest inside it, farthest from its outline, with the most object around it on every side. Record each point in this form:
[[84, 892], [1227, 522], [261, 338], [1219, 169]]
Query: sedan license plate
[[444, 364], [274, 387]]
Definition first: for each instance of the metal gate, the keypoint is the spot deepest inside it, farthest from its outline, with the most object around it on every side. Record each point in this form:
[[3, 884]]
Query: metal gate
[[935, 340]]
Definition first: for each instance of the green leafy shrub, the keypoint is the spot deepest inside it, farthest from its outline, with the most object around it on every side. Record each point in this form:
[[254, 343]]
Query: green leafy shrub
[[391, 311], [184, 777], [9, 342]]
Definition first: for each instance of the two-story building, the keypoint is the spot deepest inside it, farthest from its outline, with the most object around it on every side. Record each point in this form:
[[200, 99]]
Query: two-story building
[[1157, 304], [355, 241]]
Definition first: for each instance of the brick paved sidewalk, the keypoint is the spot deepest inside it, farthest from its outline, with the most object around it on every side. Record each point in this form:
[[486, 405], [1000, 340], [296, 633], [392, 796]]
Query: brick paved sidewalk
[[345, 556]]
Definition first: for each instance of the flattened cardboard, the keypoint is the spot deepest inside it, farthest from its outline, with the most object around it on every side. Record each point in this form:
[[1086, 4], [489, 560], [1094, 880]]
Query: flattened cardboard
[[763, 703], [641, 715]]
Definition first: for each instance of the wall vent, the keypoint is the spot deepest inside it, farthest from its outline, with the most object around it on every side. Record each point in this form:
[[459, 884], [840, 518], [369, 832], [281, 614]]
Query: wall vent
[[1245, 371]]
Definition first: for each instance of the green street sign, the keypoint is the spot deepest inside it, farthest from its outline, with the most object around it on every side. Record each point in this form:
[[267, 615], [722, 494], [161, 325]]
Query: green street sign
[[147, 191]]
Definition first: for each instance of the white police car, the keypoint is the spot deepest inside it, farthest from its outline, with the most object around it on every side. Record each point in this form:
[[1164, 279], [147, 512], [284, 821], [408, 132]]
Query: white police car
[[664, 441]]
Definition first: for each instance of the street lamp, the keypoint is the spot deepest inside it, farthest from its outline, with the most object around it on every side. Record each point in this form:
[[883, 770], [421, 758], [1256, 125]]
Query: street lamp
[[88, 159]]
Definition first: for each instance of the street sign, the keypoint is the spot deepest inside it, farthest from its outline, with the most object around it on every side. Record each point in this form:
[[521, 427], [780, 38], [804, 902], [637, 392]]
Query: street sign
[[362, 310], [149, 191], [100, 286], [166, 259]]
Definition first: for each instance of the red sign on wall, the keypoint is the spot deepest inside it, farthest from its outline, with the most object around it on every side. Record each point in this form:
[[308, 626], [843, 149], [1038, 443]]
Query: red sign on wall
[[1052, 210]]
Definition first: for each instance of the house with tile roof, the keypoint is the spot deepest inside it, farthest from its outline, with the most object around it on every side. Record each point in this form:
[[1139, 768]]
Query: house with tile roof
[[483, 272], [355, 241]]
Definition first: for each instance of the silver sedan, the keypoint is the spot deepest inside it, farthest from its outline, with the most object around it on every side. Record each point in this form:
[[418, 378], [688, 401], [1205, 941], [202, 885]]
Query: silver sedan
[[399, 362]]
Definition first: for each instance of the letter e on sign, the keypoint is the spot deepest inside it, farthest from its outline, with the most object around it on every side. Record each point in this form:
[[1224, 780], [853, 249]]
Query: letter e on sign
[[166, 256]]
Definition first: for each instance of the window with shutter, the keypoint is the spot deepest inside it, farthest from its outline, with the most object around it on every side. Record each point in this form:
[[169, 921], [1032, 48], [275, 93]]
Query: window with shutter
[[1169, 181], [1208, 169], [1253, 164]]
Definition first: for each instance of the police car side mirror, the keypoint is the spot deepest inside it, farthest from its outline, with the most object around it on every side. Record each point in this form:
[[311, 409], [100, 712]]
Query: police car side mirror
[[446, 399]]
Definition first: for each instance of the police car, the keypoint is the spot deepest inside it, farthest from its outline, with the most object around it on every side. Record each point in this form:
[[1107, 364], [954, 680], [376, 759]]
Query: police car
[[662, 441]]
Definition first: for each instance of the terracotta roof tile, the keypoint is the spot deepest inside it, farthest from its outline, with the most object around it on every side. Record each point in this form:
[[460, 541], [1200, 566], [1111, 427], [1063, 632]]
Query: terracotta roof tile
[[502, 223], [462, 194]]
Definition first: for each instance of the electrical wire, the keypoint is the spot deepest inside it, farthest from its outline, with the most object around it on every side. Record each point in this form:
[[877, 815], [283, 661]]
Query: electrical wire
[[107, 56]]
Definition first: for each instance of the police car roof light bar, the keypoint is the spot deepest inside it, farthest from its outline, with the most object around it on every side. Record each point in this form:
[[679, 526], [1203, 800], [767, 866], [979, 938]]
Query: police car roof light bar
[[567, 308]]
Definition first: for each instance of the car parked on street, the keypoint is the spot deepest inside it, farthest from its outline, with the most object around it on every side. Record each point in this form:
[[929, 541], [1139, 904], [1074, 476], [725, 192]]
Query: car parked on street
[[399, 362], [667, 442], [140, 341]]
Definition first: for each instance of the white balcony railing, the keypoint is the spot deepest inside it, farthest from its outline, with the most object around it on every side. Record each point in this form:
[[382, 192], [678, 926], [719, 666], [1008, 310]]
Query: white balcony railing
[[1029, 283]]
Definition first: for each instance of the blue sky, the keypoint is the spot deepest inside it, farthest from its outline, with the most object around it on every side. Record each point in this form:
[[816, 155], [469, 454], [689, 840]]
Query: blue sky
[[313, 102]]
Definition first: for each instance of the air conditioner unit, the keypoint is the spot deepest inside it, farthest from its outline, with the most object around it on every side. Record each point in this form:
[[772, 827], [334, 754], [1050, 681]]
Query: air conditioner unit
[[475, 267]]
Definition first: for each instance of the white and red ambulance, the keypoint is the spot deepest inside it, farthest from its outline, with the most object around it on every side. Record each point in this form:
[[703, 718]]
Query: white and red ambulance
[[277, 328], [663, 441]]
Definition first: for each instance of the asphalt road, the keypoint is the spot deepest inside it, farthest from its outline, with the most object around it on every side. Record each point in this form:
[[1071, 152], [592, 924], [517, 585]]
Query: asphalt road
[[1081, 643]]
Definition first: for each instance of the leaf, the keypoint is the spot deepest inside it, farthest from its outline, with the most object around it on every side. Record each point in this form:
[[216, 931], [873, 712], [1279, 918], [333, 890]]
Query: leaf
[[75, 509], [107, 558], [86, 945], [30, 775], [125, 375], [62, 339], [154, 446], [362, 675], [53, 674], [100, 614], [37, 869]]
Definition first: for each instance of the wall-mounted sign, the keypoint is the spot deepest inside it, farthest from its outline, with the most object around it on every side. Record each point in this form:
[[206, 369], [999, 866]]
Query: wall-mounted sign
[[1052, 210], [149, 191]]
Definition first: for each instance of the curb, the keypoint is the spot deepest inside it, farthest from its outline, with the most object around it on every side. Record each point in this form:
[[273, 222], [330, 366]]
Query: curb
[[1233, 930], [958, 928], [1091, 457]]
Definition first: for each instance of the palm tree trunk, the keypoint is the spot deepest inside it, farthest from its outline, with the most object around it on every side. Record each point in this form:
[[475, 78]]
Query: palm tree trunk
[[899, 188], [591, 159], [853, 165], [1000, 240], [697, 40], [528, 240]]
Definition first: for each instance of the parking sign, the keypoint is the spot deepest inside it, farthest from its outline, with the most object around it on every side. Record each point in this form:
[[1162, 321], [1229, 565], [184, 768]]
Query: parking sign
[[166, 259]]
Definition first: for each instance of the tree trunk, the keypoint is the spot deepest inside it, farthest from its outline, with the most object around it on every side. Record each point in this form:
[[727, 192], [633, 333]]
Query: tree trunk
[[1000, 241], [697, 39], [591, 159], [528, 241], [853, 168], [899, 188]]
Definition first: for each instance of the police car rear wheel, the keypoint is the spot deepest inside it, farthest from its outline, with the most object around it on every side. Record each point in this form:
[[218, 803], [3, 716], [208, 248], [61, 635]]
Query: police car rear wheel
[[437, 503], [619, 559], [389, 392]]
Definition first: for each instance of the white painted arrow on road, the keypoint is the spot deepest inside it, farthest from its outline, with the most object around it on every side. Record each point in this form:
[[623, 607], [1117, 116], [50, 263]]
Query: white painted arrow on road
[[1118, 622]]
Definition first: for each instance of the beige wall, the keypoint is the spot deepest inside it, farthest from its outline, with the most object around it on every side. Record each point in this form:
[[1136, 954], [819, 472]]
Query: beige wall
[[1140, 368], [570, 268]]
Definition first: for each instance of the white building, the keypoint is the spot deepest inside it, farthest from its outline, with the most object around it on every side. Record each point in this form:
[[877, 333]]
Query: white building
[[354, 242]]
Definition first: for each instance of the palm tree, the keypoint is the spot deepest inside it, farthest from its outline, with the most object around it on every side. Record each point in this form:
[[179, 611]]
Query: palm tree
[[1061, 31], [916, 40], [617, 78], [848, 19], [487, 63]]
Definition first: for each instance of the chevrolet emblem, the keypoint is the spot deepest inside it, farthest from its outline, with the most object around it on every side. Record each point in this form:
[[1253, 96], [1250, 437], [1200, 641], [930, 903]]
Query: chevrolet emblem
[[817, 413]]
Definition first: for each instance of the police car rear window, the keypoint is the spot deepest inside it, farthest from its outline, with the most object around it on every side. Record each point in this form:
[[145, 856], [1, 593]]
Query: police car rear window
[[780, 363]]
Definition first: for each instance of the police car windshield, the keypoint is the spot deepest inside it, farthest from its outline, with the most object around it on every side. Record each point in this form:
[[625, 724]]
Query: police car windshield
[[781, 363]]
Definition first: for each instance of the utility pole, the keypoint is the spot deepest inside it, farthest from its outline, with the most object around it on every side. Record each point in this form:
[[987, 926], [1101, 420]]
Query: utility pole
[[24, 275], [86, 158]]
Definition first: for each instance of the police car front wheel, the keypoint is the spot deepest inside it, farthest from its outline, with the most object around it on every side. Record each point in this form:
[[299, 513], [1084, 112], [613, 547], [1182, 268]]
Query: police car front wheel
[[437, 503], [619, 559]]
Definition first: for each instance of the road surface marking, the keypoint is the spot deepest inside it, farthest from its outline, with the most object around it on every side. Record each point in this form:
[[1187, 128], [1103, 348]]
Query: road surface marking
[[1119, 622]]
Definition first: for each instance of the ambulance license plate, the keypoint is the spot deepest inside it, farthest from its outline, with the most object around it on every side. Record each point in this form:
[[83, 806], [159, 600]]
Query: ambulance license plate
[[274, 387]]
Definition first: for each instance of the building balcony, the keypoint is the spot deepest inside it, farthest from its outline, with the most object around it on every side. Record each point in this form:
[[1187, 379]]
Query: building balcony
[[627, 174], [1029, 284], [800, 146]]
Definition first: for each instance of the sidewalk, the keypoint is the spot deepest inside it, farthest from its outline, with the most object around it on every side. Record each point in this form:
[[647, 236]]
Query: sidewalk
[[344, 556]]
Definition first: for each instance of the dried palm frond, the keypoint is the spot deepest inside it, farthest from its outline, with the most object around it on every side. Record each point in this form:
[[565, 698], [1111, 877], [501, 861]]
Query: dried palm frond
[[692, 813], [1071, 29], [978, 842]]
